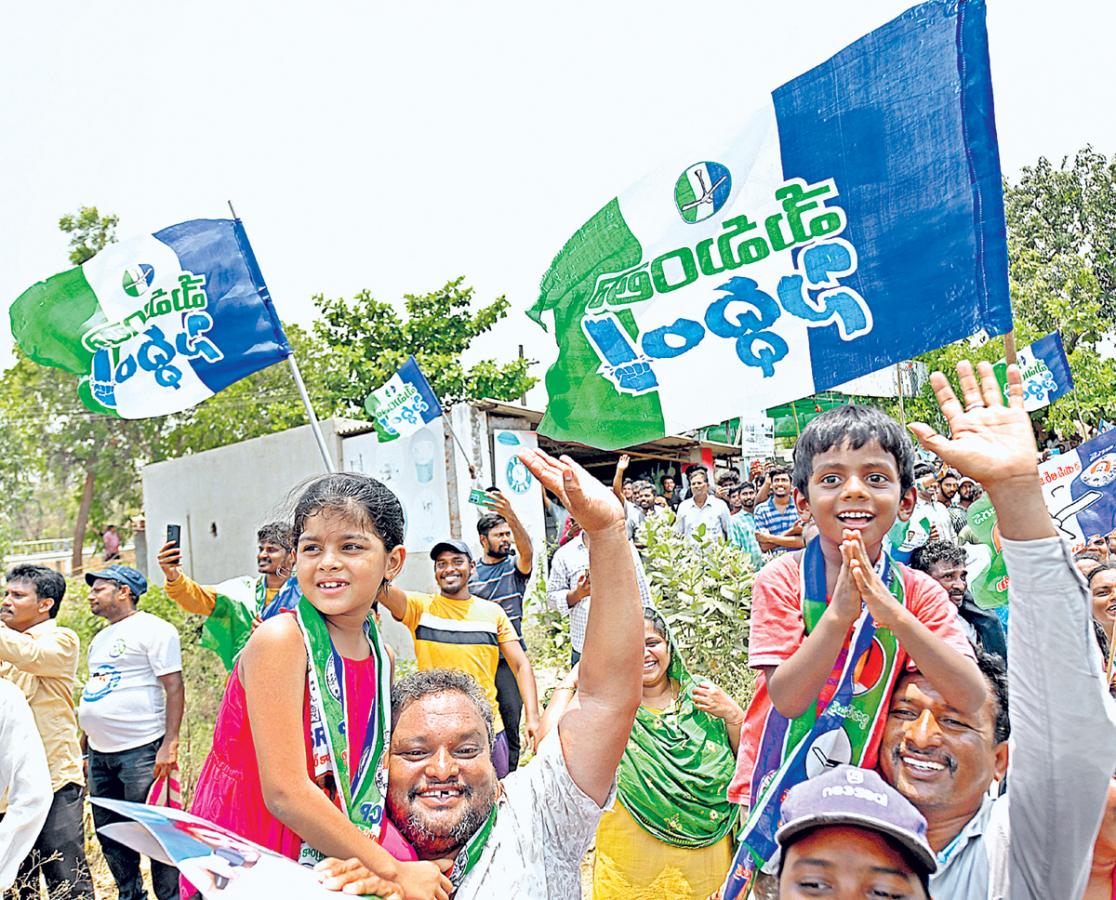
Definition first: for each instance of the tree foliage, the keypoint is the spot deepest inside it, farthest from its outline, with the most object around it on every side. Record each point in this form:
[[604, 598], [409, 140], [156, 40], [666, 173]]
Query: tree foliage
[[368, 340], [1062, 257], [89, 232], [265, 402]]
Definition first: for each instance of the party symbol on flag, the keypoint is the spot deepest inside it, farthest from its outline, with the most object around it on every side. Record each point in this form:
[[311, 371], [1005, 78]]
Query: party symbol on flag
[[137, 279], [702, 190]]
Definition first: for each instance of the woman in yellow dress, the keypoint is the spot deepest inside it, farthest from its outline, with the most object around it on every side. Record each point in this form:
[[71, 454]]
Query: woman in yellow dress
[[669, 835]]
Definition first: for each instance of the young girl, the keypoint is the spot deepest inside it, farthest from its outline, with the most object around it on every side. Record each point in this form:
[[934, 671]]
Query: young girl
[[299, 751]]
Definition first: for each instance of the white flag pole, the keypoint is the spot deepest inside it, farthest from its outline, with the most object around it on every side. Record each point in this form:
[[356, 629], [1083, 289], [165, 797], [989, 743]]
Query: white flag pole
[[315, 427]]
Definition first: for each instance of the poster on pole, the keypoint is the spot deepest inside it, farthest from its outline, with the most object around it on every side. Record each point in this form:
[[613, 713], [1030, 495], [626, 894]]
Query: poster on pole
[[757, 436], [516, 482]]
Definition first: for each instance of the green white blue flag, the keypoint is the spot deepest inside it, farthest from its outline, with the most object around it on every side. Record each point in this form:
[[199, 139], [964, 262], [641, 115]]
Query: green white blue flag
[[1045, 370], [155, 324], [855, 221], [404, 404]]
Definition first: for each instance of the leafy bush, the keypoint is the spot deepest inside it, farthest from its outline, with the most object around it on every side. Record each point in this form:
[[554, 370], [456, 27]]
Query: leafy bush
[[703, 589]]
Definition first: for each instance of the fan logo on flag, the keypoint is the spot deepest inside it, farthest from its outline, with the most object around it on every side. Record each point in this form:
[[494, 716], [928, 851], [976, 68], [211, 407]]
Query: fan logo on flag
[[1101, 473], [137, 279], [701, 191]]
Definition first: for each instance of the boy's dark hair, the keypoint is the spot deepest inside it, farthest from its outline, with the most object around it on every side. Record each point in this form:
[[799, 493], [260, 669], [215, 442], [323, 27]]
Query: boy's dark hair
[[487, 522], [279, 533], [855, 425], [994, 670], [935, 552], [727, 478], [49, 585], [781, 470]]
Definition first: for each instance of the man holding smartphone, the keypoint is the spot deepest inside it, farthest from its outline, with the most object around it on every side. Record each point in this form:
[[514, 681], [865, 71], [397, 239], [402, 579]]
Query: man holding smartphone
[[233, 607]]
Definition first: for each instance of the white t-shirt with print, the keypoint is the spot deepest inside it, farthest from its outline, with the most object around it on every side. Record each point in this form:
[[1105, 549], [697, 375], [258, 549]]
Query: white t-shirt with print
[[123, 705], [544, 825]]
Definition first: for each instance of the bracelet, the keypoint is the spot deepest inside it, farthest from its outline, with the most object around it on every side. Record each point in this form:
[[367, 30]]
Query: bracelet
[[572, 690]]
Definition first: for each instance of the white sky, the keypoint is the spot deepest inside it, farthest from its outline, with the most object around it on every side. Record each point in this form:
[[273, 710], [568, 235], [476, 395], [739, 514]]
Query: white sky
[[395, 146]]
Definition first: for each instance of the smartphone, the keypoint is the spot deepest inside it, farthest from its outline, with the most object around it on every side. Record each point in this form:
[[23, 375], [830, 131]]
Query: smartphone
[[479, 498], [174, 535]]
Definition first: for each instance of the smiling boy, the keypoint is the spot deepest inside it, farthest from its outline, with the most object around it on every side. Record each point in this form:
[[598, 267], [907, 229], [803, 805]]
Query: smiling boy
[[835, 625]]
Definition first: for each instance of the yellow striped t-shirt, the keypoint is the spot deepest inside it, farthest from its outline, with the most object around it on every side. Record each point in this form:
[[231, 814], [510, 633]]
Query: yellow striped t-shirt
[[460, 634]]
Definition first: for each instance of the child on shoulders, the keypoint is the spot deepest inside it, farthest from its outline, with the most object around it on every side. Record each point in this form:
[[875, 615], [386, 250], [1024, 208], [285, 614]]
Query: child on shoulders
[[833, 625]]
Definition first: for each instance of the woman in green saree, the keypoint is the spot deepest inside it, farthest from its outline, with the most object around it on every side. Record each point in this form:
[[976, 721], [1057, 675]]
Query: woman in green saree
[[670, 833]]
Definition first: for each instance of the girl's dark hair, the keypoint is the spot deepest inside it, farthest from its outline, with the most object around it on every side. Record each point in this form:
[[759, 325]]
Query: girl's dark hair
[[369, 501], [854, 425]]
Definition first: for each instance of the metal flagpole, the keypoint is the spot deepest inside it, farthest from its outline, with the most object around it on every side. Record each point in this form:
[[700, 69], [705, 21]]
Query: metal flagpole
[[301, 385], [457, 440]]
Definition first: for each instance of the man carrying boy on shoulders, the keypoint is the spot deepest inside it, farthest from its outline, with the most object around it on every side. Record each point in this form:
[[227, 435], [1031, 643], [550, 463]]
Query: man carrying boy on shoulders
[[834, 626]]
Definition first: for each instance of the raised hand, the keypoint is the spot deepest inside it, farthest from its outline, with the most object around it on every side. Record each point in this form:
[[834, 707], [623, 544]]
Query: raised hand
[[710, 698], [170, 560], [988, 441], [592, 504]]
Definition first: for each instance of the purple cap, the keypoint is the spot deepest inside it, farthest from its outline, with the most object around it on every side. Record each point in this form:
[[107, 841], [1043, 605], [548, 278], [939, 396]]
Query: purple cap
[[848, 795]]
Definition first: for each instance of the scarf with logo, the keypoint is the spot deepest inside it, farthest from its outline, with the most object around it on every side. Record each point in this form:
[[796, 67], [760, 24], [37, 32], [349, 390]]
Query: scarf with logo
[[845, 723]]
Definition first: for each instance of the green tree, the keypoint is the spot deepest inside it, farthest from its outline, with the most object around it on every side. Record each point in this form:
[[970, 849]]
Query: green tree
[[89, 232], [263, 403], [368, 340], [63, 449]]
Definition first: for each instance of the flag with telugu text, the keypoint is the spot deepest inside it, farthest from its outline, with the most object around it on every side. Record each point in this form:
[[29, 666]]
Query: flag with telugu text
[[403, 404], [856, 220], [1045, 371], [155, 324]]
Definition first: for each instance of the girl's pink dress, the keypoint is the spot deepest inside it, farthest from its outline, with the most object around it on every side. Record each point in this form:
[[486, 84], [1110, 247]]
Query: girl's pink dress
[[228, 791]]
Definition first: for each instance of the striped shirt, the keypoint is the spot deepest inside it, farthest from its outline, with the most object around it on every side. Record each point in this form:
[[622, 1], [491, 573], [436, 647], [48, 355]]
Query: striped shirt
[[742, 533], [460, 634], [771, 521], [569, 562], [501, 582]]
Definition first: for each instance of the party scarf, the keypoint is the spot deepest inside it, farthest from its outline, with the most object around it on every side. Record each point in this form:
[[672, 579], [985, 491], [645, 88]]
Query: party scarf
[[361, 789], [471, 852], [229, 625], [841, 727], [676, 769]]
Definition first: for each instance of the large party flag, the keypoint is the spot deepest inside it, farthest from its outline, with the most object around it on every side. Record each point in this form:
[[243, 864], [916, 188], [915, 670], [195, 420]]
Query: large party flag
[[856, 220], [1045, 370], [403, 404], [158, 323]]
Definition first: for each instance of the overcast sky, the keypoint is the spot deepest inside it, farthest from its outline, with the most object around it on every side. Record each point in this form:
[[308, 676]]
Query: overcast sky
[[395, 146]]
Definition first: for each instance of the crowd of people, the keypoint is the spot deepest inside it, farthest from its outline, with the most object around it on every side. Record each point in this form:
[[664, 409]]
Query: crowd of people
[[892, 747]]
